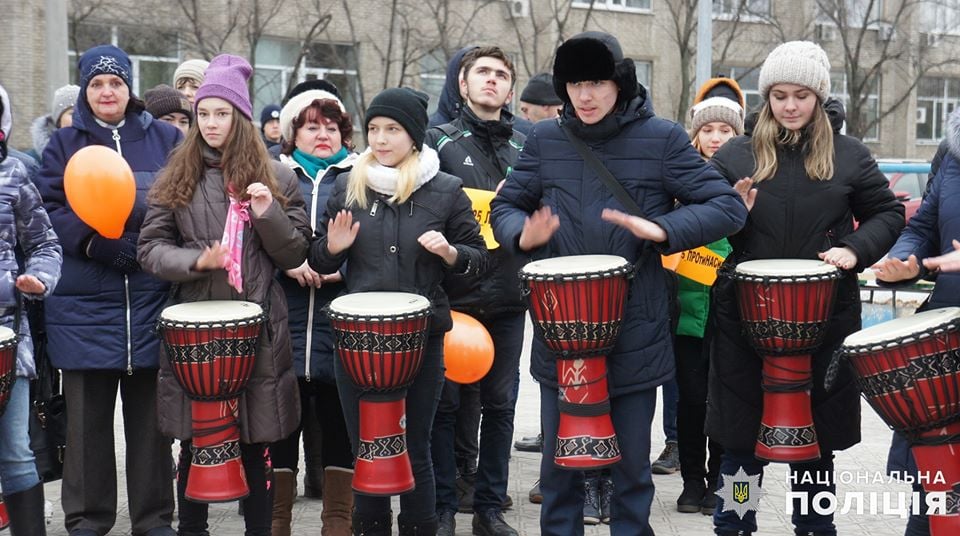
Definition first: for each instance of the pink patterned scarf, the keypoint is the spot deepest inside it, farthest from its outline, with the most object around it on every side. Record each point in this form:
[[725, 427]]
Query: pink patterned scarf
[[237, 215]]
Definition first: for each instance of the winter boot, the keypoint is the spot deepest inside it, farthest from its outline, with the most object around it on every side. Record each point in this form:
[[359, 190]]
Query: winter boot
[[372, 524], [312, 449], [424, 527], [26, 512], [284, 490], [337, 501]]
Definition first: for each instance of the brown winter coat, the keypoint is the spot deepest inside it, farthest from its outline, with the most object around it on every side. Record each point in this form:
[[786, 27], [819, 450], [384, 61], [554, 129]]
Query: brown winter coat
[[171, 242]]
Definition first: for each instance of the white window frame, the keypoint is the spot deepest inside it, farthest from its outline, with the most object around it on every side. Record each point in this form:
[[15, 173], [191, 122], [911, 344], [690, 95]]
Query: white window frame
[[135, 59], [946, 104], [612, 5], [872, 24], [728, 11], [842, 95], [933, 17]]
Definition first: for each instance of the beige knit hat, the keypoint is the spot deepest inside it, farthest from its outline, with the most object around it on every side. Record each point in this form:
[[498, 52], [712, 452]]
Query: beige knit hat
[[192, 69], [297, 103], [797, 62], [717, 109]]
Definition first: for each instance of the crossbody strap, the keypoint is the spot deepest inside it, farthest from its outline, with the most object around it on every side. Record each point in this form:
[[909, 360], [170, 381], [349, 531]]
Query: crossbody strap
[[608, 179], [476, 154]]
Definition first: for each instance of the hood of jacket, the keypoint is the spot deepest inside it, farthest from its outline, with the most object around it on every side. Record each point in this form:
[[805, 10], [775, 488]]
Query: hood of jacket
[[40, 131], [449, 105]]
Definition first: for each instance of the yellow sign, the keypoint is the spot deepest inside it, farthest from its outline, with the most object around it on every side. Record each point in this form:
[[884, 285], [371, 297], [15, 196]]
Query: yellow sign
[[698, 264], [481, 211]]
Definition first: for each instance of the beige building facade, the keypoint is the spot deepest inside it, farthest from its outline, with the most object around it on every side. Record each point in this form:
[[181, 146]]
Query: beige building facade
[[910, 49]]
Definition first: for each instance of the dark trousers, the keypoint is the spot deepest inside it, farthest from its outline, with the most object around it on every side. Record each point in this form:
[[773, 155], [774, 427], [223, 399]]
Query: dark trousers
[[693, 364], [562, 511], [334, 441], [467, 439], [257, 507], [729, 521], [89, 489], [421, 403], [498, 406]]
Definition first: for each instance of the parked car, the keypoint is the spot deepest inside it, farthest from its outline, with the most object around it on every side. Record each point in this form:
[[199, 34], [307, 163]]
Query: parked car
[[908, 180]]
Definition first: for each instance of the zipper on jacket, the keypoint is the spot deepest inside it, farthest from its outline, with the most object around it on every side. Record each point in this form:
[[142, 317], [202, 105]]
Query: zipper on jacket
[[116, 139], [373, 209], [313, 292], [126, 290]]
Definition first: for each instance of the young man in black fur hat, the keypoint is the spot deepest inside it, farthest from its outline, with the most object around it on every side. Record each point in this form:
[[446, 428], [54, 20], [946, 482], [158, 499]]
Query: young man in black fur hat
[[555, 204]]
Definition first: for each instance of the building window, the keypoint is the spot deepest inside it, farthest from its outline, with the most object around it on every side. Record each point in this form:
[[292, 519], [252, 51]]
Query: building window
[[644, 73], [839, 91], [745, 9], [154, 53], [941, 17], [854, 12], [614, 5], [749, 80], [433, 76], [936, 99], [276, 59]]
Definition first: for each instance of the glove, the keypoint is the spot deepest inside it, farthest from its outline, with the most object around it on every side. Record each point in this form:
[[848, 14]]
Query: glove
[[119, 254]]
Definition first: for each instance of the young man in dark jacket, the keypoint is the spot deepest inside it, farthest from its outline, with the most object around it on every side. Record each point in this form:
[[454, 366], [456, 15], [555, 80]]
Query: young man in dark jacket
[[480, 147], [554, 204]]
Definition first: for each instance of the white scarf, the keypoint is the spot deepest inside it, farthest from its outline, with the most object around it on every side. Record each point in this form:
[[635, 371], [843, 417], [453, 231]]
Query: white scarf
[[383, 179]]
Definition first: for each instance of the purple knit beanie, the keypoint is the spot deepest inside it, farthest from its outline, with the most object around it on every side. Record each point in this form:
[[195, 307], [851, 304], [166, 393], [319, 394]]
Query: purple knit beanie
[[226, 78]]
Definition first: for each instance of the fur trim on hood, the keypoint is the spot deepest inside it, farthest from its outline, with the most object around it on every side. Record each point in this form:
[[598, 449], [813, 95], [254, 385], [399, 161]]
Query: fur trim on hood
[[953, 133], [40, 131]]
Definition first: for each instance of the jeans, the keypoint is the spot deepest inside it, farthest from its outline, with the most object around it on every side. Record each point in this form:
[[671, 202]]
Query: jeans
[[733, 460], [562, 511], [421, 405], [671, 397], [18, 471], [498, 405]]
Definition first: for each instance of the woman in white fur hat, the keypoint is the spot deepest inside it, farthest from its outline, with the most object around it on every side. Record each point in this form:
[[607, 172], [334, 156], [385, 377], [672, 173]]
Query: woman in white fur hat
[[803, 201]]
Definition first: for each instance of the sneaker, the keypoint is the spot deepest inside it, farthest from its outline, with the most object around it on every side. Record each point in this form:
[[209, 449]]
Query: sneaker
[[529, 443], [606, 497], [691, 498], [535, 495], [591, 500], [669, 460], [447, 524], [491, 523], [709, 502]]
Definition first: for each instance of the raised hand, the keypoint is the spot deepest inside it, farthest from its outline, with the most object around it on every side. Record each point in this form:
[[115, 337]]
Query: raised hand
[[538, 228], [893, 270], [640, 227], [260, 198], [843, 258], [436, 243], [341, 232], [305, 276], [213, 257], [747, 192]]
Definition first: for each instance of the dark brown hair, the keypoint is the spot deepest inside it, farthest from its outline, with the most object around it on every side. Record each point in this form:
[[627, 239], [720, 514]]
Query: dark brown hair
[[470, 58], [328, 109], [245, 160]]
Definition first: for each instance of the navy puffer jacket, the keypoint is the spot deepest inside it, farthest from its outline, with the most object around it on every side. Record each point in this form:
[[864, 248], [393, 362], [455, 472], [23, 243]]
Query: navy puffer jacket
[[88, 326], [653, 159]]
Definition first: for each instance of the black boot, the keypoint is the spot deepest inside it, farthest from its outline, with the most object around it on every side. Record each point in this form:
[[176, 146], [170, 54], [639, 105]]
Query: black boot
[[691, 497], [372, 524], [424, 527], [26, 512]]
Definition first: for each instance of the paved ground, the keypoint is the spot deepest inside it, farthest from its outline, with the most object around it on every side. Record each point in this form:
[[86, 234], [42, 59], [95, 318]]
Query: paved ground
[[865, 459]]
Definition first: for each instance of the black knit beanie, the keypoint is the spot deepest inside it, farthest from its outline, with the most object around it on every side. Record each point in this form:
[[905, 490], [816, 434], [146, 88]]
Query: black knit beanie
[[540, 91], [405, 106]]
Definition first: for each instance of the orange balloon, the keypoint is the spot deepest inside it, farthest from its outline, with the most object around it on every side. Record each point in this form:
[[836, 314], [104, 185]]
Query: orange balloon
[[100, 188], [467, 349]]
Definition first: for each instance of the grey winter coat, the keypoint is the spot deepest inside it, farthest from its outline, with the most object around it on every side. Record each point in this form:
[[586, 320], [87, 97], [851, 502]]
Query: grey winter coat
[[170, 243]]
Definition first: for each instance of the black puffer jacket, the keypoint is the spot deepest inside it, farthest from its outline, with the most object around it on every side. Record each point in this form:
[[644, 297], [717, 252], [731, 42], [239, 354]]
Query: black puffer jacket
[[386, 255], [795, 217], [498, 290]]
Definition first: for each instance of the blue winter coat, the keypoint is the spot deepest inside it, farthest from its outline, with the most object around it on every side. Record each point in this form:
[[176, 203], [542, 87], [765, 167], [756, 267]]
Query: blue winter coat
[[653, 159], [24, 225], [98, 317], [310, 334]]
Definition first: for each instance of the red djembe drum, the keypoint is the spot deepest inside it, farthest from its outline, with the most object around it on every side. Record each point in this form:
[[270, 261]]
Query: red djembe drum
[[784, 307], [380, 338], [4, 516], [908, 369], [8, 365], [212, 348], [577, 303]]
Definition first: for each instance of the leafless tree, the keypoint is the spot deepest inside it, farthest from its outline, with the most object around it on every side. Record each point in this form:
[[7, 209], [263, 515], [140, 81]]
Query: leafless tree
[[206, 33], [541, 30]]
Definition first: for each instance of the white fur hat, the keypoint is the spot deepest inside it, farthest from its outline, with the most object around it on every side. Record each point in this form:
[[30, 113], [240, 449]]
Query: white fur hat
[[296, 104], [797, 62]]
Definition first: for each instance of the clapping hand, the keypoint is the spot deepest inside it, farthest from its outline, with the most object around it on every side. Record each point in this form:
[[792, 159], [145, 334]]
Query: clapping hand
[[29, 284], [893, 270], [747, 192], [641, 228], [843, 258], [948, 262], [305, 276], [213, 257], [538, 228], [436, 243], [341, 232]]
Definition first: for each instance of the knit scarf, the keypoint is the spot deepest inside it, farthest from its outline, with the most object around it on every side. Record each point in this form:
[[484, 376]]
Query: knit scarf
[[313, 165], [383, 179]]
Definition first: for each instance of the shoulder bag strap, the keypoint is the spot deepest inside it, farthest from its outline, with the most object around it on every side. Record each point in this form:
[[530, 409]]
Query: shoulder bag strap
[[608, 179]]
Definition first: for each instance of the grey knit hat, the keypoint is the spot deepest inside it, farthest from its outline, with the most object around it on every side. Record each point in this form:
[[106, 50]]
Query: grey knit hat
[[717, 109], [192, 69], [64, 98], [797, 62]]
